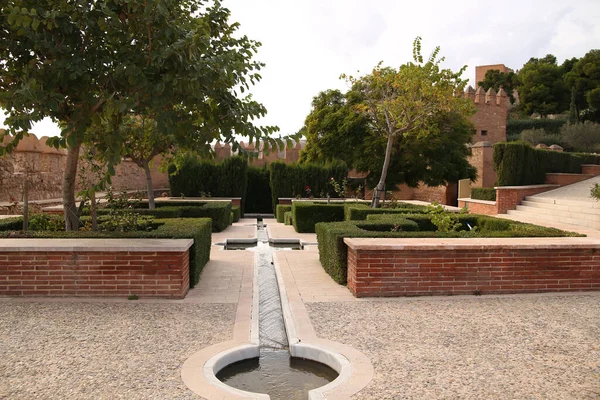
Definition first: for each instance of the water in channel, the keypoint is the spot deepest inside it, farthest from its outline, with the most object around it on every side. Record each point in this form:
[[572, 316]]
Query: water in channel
[[274, 372]]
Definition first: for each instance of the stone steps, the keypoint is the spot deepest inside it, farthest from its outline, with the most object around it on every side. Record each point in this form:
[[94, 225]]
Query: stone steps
[[565, 211]]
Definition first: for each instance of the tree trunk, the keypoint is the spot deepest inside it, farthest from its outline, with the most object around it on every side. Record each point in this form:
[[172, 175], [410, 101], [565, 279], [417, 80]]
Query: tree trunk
[[26, 203], [150, 189], [93, 211], [69, 205], [386, 163]]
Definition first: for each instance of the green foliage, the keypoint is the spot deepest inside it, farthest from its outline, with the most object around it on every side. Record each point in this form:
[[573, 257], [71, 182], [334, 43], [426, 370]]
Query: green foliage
[[333, 252], [407, 102], [236, 211], [126, 221], [306, 214], [218, 211], [190, 228], [12, 224], [537, 136], [541, 87], [295, 180], [46, 222], [258, 195], [360, 212], [192, 176], [514, 127], [389, 222], [281, 210], [488, 194], [584, 79], [287, 218], [595, 191], [443, 220], [583, 137], [519, 164], [495, 79]]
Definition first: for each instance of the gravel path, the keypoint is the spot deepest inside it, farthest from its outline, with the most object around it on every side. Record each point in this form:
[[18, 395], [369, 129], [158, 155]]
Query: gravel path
[[104, 350], [526, 347]]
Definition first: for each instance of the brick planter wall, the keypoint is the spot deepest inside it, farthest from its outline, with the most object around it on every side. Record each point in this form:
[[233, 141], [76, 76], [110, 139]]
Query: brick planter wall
[[414, 267], [509, 197], [96, 268], [566, 179], [476, 206], [590, 169]]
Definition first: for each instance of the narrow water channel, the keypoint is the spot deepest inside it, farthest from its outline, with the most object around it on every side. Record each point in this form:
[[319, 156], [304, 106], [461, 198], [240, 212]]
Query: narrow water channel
[[274, 372]]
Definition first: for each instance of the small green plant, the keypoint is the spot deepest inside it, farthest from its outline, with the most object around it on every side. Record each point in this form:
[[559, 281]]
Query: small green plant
[[338, 188], [443, 220], [595, 191], [126, 221], [133, 297], [46, 222]]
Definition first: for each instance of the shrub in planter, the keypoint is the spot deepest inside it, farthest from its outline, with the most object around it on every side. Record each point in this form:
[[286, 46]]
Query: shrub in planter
[[281, 210], [306, 214], [236, 213], [287, 218], [488, 194], [360, 212]]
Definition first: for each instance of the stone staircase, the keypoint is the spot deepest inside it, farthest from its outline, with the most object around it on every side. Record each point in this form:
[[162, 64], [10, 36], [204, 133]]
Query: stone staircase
[[571, 205]]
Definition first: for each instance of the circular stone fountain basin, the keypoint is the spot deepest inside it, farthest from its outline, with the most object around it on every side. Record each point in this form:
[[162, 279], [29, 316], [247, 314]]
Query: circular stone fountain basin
[[278, 375]]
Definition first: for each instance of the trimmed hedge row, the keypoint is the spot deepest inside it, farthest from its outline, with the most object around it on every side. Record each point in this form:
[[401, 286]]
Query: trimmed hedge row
[[287, 218], [218, 211], [306, 214], [194, 177], [514, 127], [258, 194], [519, 164], [333, 251], [359, 212], [237, 213], [280, 211], [198, 229], [11, 224], [292, 180], [488, 194]]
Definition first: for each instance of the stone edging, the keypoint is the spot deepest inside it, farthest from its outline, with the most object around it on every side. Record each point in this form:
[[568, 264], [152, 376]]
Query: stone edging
[[93, 245]]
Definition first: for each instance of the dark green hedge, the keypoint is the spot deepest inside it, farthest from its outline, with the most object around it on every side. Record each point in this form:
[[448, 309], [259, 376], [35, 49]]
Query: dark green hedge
[[514, 127], [236, 211], [287, 218], [519, 164], [359, 212], [258, 195], [306, 214], [292, 180], [281, 209], [483, 194], [195, 177], [218, 211], [333, 251], [387, 222], [189, 228], [11, 224]]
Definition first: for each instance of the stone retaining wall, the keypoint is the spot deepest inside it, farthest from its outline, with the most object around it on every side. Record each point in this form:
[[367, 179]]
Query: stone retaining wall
[[95, 267], [411, 267]]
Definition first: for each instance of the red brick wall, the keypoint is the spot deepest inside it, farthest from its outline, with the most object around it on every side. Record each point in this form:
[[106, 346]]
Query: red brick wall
[[95, 274], [453, 272], [479, 208], [590, 169], [566, 179], [510, 198]]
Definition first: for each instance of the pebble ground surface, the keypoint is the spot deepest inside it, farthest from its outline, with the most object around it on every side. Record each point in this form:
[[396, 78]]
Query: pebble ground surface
[[508, 347], [78, 350]]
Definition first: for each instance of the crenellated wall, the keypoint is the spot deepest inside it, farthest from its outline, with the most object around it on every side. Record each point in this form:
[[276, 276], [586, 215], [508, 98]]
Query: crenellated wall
[[44, 165]]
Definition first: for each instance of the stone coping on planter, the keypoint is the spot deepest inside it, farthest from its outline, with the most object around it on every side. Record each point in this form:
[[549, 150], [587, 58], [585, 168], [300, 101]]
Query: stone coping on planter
[[199, 199], [92, 245], [550, 187], [539, 243], [470, 200]]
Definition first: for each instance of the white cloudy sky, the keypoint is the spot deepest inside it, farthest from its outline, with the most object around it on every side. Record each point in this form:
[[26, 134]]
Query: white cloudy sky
[[307, 44]]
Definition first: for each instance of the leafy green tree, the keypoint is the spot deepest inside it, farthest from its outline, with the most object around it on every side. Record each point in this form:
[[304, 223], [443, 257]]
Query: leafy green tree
[[541, 87], [496, 79], [404, 102], [82, 63], [584, 77], [333, 129]]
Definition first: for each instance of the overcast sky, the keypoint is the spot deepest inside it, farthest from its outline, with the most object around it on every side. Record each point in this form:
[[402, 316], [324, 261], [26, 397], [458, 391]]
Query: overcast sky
[[307, 44]]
